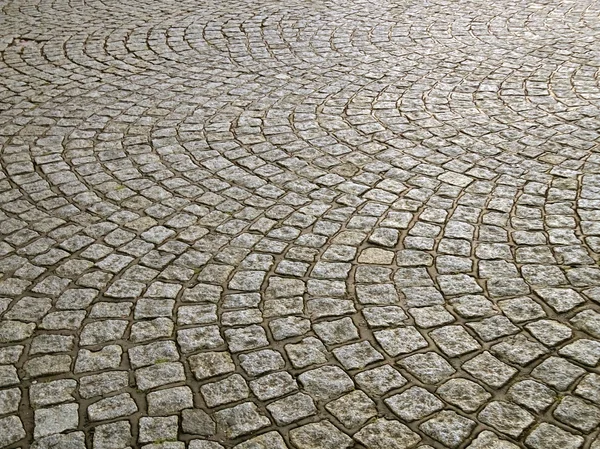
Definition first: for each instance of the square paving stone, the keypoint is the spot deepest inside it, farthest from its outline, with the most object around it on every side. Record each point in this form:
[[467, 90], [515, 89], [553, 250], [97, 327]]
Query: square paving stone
[[144, 355], [169, 401], [532, 395], [197, 422], [489, 440], [560, 299], [202, 338], [454, 340], [103, 383], [506, 418], [337, 331], [112, 407], [273, 385], [519, 349], [489, 370], [401, 340], [57, 419], [259, 362], [431, 316], [493, 327], [291, 326], [449, 428], [463, 393], [557, 372], [40, 394], [325, 383], [429, 368], [357, 355], [73, 440], [269, 440], [578, 414], [230, 389], [458, 284], [589, 388], [380, 294], [240, 420], [158, 429], [547, 436], [319, 435], [549, 332], [292, 408], [588, 321], [473, 306], [387, 434], [309, 351], [522, 309], [353, 409], [243, 339], [113, 435], [413, 404], [384, 316], [422, 296], [378, 381], [584, 351], [209, 364]]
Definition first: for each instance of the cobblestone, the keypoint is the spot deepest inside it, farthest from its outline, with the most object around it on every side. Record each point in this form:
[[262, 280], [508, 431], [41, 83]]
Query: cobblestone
[[286, 225]]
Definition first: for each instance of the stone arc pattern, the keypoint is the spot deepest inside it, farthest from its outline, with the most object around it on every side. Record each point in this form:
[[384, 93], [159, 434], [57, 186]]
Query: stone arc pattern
[[306, 224]]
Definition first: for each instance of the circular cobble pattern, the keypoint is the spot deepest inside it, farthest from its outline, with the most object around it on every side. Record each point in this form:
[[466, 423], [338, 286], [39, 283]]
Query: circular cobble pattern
[[303, 224]]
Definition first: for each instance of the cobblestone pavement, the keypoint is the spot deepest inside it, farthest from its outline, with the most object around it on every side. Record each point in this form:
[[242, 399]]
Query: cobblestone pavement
[[302, 224]]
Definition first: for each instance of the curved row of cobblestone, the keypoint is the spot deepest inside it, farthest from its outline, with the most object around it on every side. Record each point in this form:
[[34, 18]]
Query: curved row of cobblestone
[[306, 225]]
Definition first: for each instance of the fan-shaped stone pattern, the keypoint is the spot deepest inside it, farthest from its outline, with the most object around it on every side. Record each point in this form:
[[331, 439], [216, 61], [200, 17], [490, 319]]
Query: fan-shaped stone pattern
[[305, 225]]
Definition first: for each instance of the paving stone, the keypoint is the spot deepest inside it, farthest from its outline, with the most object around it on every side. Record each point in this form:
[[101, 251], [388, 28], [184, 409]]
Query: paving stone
[[357, 355], [269, 440], [413, 404], [578, 414], [552, 437], [112, 407], [273, 385], [353, 409], [429, 367], [583, 351], [209, 364], [506, 418], [588, 388], [325, 383], [522, 309], [73, 440], [11, 430], [449, 428], [532, 395], [292, 408], [454, 340], [240, 420], [549, 332], [384, 433], [230, 389], [319, 435], [487, 439], [47, 393], [103, 383], [157, 428], [557, 372], [489, 370], [48, 421], [169, 401], [197, 422], [260, 362], [518, 349], [463, 393], [401, 340], [378, 381], [112, 436], [309, 351]]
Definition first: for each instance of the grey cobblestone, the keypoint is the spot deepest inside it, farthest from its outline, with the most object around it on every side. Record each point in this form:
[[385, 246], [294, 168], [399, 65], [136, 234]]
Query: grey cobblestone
[[284, 225]]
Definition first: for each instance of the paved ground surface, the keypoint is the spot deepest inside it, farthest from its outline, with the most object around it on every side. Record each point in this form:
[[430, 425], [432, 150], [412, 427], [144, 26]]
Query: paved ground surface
[[300, 224]]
